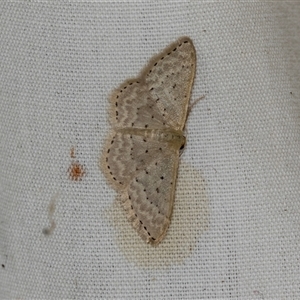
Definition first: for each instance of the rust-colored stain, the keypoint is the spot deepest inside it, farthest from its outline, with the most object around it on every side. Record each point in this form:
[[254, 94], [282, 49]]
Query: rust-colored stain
[[72, 152], [76, 171]]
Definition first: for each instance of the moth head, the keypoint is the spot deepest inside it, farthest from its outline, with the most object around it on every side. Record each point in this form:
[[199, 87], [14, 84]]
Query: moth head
[[182, 147]]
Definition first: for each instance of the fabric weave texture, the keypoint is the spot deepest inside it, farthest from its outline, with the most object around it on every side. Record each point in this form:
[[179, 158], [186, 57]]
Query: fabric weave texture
[[235, 226]]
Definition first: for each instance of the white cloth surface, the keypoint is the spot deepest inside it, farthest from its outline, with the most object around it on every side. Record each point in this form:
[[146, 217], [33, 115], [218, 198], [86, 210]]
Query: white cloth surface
[[235, 226]]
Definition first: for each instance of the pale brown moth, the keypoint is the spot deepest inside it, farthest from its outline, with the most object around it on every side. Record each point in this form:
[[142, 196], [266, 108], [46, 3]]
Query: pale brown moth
[[141, 156]]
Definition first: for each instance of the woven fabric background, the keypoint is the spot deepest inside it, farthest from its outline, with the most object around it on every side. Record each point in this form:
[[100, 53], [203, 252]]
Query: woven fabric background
[[235, 227]]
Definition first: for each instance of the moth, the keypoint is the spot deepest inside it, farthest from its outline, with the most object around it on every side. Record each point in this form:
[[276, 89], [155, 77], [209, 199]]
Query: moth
[[141, 156]]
